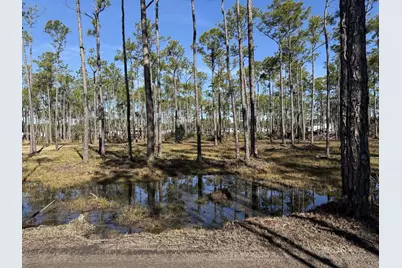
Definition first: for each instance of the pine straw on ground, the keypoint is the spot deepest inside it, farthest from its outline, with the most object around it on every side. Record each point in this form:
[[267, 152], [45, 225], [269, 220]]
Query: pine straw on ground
[[316, 239], [277, 165]]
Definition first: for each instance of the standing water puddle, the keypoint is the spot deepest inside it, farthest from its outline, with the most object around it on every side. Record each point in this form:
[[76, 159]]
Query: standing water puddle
[[208, 201]]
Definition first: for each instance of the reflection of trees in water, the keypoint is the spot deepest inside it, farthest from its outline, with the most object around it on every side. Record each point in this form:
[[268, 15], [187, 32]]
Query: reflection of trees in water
[[250, 198]]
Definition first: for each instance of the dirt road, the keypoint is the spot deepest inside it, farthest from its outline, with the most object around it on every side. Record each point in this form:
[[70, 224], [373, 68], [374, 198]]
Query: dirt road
[[303, 240]]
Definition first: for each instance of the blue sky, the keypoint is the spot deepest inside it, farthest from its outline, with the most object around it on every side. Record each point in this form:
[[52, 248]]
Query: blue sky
[[175, 21]]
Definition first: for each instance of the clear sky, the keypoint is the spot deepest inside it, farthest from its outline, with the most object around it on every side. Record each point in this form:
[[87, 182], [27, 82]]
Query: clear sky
[[175, 21]]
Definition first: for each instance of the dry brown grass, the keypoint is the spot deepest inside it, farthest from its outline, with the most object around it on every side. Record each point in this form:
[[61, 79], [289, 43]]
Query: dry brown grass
[[89, 203], [285, 166]]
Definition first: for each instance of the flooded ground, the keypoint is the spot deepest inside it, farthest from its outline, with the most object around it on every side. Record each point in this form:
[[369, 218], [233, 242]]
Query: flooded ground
[[207, 201]]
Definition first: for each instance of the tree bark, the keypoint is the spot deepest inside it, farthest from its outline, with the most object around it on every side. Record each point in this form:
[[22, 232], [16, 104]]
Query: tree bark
[[32, 141], [327, 66], [254, 151], [243, 87], [231, 91], [197, 120], [312, 96], [354, 86], [302, 105], [101, 108], [128, 104], [270, 111], [148, 88], [159, 89], [292, 115], [84, 82], [281, 94]]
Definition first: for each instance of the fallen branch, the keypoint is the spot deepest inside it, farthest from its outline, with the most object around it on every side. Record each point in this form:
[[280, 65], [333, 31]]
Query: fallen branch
[[43, 209], [94, 195]]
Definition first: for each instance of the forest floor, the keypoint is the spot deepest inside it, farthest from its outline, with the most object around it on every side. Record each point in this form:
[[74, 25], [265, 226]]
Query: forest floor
[[314, 239], [300, 166]]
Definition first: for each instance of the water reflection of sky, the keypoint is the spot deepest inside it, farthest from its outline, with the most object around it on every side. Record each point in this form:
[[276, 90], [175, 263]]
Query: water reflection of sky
[[246, 199]]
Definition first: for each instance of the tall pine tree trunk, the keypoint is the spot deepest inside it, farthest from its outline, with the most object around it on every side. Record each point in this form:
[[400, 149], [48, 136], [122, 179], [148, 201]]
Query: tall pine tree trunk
[[312, 96], [355, 96], [101, 107], [84, 82], [231, 90], [197, 120], [281, 94], [243, 87], [327, 66], [32, 142], [159, 88], [303, 118], [128, 104], [292, 115], [251, 76], [148, 88]]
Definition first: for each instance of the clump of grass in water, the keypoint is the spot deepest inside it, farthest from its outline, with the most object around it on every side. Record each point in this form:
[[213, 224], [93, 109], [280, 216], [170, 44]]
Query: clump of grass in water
[[132, 215], [154, 220], [220, 197], [202, 201], [85, 204]]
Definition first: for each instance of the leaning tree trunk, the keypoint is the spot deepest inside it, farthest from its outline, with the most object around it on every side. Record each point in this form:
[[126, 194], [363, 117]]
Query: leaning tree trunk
[[197, 120], [32, 142], [84, 82], [148, 88], [231, 91], [130, 154], [158, 75], [243, 87], [251, 76]]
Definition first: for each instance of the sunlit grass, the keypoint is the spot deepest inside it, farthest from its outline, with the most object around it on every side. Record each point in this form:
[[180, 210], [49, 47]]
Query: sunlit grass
[[299, 166]]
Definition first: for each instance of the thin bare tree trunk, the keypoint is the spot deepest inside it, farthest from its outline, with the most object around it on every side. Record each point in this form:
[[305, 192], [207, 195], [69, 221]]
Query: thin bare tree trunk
[[312, 96], [101, 107], [243, 87], [292, 115], [176, 116], [32, 142], [84, 82], [254, 151], [271, 116], [281, 94], [231, 91], [159, 89], [302, 105], [197, 120], [130, 153], [327, 65]]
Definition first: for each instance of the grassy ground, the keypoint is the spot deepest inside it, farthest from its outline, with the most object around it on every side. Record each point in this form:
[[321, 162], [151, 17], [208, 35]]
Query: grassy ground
[[296, 166]]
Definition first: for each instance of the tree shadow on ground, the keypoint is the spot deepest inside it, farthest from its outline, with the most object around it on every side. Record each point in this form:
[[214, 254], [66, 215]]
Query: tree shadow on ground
[[285, 243], [355, 239]]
